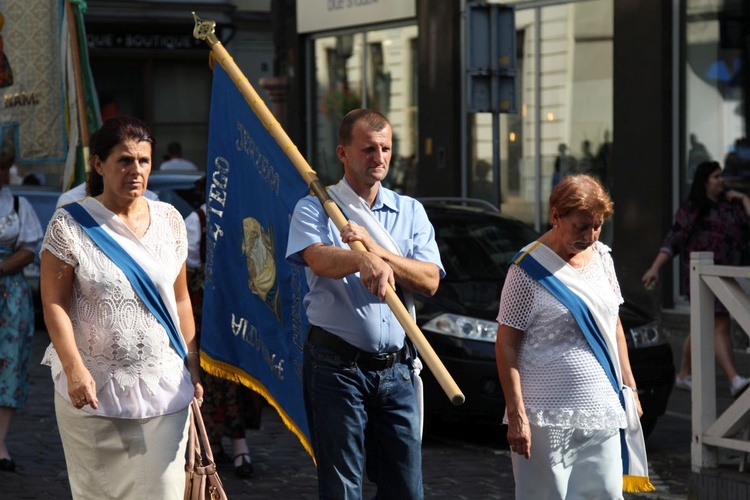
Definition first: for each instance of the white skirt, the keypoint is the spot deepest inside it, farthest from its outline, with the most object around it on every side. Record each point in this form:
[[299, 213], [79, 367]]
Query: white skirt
[[117, 458], [570, 464]]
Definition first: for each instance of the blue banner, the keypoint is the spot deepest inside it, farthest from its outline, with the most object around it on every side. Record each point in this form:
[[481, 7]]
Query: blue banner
[[254, 323]]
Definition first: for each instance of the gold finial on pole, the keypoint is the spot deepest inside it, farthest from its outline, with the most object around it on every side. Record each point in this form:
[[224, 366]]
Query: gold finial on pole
[[205, 30]]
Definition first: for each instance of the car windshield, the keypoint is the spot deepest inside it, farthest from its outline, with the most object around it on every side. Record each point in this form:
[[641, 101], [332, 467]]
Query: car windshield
[[475, 246]]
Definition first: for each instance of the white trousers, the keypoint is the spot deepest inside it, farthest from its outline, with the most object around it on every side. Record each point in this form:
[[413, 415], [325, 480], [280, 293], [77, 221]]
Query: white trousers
[[570, 464], [118, 458]]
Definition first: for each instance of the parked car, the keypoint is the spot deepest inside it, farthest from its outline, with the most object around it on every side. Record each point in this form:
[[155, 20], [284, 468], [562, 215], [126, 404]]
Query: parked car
[[177, 189], [476, 244]]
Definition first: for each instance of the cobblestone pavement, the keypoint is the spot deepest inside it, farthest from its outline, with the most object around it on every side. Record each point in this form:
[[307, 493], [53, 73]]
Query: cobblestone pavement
[[460, 462], [454, 468]]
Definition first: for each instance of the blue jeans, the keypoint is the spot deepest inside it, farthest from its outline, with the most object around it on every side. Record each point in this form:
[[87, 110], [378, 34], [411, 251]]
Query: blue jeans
[[355, 415]]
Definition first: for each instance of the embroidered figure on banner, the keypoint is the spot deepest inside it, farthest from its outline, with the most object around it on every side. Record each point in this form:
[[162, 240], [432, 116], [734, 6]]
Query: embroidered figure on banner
[[261, 268]]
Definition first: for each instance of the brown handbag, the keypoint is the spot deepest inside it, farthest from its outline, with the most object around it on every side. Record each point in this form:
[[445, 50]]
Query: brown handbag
[[202, 481]]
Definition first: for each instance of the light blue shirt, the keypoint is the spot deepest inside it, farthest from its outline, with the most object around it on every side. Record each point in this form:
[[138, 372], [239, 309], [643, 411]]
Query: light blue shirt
[[346, 307]]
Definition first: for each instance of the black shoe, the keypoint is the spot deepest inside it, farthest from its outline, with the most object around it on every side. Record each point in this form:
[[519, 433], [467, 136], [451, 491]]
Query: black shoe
[[7, 464], [220, 456], [245, 469]]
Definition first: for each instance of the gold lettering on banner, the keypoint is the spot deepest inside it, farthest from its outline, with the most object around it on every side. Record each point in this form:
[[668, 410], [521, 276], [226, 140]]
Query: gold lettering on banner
[[247, 332], [217, 199], [266, 171], [20, 99]]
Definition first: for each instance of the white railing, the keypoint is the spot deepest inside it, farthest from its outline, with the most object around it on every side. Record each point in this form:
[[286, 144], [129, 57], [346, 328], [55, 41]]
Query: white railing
[[711, 431]]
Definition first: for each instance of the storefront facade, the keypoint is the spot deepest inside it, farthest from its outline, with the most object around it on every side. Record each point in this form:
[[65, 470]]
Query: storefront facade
[[633, 91], [146, 63], [663, 80]]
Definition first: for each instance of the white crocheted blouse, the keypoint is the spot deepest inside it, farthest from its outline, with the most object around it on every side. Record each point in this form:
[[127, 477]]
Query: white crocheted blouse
[[562, 383], [138, 373]]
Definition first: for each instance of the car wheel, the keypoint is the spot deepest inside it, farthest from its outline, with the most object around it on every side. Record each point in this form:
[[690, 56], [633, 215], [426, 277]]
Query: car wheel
[[648, 425]]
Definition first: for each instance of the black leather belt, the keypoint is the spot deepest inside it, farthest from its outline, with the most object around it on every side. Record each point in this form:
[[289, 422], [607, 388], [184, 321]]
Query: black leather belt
[[369, 360]]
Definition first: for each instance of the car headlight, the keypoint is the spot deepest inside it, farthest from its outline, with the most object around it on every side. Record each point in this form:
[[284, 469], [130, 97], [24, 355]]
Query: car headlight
[[463, 327], [647, 335]]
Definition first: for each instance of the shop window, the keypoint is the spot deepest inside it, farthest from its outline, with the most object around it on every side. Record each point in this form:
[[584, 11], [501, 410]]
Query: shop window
[[717, 83], [564, 112], [375, 69]]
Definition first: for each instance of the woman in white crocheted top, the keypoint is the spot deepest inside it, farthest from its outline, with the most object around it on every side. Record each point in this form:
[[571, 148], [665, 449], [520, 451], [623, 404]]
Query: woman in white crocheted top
[[123, 376], [563, 414]]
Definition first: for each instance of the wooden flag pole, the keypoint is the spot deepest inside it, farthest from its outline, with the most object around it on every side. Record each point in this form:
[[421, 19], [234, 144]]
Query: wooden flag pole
[[204, 30]]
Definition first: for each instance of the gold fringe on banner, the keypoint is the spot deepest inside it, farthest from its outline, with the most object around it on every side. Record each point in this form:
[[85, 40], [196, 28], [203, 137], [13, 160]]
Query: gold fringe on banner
[[230, 372]]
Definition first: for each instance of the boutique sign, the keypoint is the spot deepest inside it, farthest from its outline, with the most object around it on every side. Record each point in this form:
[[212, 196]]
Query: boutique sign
[[322, 15], [150, 41]]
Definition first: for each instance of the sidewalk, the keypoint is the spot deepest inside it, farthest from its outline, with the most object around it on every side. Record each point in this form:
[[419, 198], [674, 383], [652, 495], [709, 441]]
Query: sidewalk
[[477, 467]]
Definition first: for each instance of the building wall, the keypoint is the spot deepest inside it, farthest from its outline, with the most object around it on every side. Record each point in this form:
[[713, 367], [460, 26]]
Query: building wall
[[146, 63]]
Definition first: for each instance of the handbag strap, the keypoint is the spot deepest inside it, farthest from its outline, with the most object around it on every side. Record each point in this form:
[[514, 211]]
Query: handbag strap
[[201, 436], [193, 446], [142, 283]]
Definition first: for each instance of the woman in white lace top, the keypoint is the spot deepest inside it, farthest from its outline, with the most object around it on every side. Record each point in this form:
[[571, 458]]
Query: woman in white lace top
[[562, 412], [122, 383]]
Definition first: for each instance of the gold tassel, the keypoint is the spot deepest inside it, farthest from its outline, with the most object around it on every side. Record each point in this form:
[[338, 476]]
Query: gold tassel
[[636, 484], [230, 372]]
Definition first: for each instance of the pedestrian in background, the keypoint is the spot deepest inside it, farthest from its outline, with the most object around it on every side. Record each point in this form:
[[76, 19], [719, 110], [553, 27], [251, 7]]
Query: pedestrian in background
[[175, 161], [710, 220], [563, 378], [20, 232], [124, 357], [358, 375]]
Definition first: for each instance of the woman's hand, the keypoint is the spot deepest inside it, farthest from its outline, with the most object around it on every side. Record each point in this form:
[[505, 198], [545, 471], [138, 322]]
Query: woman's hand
[[519, 434], [637, 403], [194, 368], [732, 195], [650, 278], [82, 388]]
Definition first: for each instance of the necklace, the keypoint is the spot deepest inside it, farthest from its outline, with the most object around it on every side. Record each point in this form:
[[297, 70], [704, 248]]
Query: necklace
[[585, 260]]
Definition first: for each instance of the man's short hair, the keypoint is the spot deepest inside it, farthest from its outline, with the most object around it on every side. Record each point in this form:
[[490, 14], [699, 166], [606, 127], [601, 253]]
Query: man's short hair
[[376, 121]]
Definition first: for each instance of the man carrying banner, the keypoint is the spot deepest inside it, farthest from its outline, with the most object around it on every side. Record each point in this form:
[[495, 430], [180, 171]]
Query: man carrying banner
[[359, 390]]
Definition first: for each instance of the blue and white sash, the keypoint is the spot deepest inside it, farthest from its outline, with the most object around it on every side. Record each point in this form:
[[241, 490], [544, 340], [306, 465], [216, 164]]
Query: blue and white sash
[[142, 283], [566, 285], [356, 209]]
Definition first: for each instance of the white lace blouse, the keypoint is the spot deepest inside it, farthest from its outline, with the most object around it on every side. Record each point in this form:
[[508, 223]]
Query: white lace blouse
[[138, 373], [562, 383]]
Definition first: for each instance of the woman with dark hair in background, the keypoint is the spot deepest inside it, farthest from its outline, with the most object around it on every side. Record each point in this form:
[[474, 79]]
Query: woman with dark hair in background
[[124, 356], [710, 220]]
